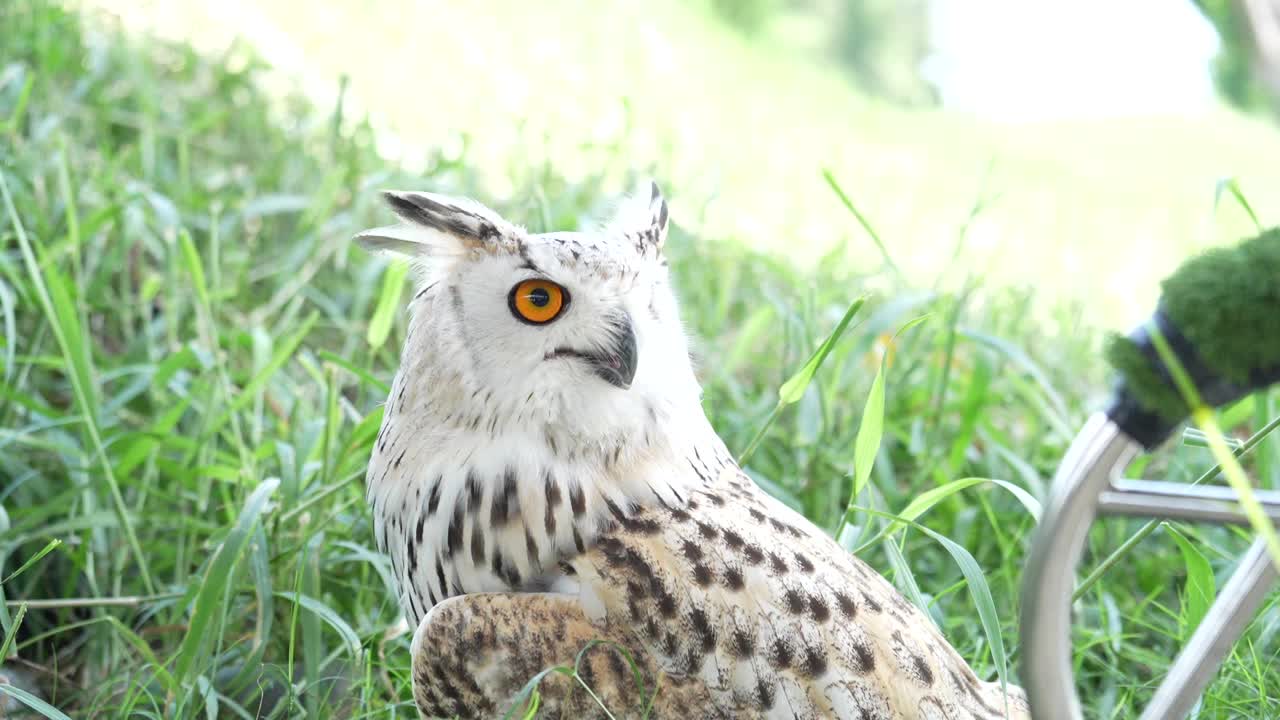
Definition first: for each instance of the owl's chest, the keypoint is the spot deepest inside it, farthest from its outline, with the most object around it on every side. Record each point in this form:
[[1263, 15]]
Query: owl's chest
[[465, 509], [458, 518]]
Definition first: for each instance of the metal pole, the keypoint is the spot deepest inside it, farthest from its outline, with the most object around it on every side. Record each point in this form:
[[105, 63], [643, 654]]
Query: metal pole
[[1098, 453], [1222, 626]]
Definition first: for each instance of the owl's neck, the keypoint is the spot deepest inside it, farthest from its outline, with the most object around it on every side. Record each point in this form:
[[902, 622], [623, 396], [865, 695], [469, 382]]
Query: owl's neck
[[470, 494]]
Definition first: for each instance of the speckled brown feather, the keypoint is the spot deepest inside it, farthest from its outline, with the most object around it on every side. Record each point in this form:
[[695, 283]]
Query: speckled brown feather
[[743, 606], [505, 639]]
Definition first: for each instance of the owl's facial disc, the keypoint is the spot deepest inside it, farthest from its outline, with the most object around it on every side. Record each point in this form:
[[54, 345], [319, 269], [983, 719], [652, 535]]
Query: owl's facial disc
[[615, 363]]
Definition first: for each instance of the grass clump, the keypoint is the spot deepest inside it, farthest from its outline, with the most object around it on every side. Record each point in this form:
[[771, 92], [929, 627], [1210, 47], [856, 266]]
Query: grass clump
[[194, 359]]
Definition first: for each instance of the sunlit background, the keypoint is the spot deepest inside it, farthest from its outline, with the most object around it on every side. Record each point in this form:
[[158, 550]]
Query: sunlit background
[[1086, 138]]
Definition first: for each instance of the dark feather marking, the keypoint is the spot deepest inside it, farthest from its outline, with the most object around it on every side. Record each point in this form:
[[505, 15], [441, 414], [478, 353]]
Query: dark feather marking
[[453, 542], [702, 575], [444, 584], [553, 490], [733, 579], [665, 601], [473, 492], [455, 297], [424, 291], [922, 670], [433, 500], [527, 262], [795, 601], [766, 694], [864, 660], [848, 608], [413, 604], [506, 502], [782, 654], [531, 547], [691, 550], [477, 544], [439, 216], [549, 522], [803, 562], [777, 564], [814, 662], [703, 628], [818, 608]]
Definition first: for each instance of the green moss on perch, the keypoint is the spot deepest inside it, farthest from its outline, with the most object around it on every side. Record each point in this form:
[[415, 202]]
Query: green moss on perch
[[1226, 303]]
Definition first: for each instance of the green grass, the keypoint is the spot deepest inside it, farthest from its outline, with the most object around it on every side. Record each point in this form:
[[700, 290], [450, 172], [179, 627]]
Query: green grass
[[190, 388]]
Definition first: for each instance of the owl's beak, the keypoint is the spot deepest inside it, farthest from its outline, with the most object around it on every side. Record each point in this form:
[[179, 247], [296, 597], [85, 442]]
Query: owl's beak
[[617, 364]]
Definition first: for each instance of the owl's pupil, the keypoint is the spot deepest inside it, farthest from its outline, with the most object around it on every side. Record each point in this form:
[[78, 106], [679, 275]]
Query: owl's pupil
[[540, 297]]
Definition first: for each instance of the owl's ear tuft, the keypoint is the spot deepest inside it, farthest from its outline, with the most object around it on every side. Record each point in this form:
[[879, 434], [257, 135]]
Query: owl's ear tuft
[[643, 216], [437, 225], [658, 210]]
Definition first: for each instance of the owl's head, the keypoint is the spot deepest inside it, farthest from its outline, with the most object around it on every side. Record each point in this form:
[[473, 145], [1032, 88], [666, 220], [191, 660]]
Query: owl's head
[[573, 330]]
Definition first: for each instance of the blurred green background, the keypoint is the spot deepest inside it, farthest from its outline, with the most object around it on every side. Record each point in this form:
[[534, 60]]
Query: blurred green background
[[739, 105], [195, 356]]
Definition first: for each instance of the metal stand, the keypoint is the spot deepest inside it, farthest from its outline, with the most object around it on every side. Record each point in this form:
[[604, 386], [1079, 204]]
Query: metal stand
[[1087, 484]]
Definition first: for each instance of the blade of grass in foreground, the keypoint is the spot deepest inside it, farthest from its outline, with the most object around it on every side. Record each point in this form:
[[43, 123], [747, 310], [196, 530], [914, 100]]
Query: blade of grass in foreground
[[217, 578], [1231, 470], [388, 302], [870, 431], [794, 388], [33, 702], [1200, 591], [979, 590], [1232, 187], [862, 220]]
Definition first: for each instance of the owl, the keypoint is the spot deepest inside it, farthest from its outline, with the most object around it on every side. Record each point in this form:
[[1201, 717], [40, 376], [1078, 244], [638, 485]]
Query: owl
[[551, 494]]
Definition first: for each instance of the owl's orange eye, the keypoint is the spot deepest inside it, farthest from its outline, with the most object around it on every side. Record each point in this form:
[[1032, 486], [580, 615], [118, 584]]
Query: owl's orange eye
[[537, 301]]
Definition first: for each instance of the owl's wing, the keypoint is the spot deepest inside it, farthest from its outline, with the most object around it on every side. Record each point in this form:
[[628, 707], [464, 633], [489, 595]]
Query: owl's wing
[[474, 654], [774, 617]]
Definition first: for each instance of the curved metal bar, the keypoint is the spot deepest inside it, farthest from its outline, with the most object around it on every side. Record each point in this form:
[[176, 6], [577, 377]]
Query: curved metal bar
[[1097, 454], [1179, 501], [1221, 627]]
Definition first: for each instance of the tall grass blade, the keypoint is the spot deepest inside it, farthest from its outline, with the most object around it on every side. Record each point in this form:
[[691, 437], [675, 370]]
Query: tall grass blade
[[217, 578], [1231, 186], [388, 303], [33, 702], [870, 432], [1199, 590], [830, 177]]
